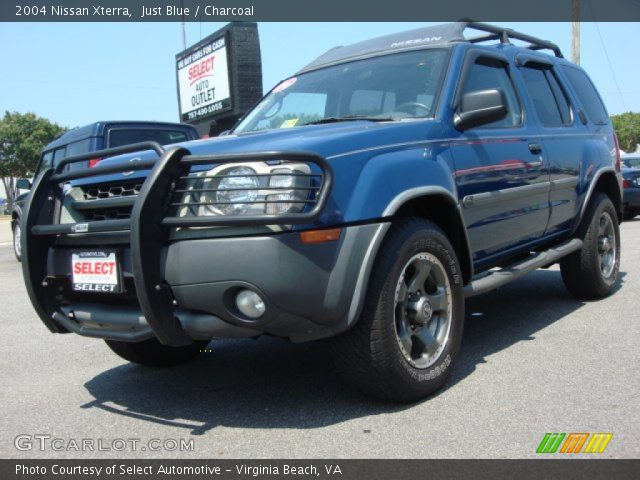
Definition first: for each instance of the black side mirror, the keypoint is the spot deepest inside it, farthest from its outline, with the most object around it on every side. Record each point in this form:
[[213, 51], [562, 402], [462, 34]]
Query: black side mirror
[[480, 108], [23, 184]]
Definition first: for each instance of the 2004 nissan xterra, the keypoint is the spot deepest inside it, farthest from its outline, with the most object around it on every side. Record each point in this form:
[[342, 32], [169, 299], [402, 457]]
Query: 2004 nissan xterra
[[361, 200]]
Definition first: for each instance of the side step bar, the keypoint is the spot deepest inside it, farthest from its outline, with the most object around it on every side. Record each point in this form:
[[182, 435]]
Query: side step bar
[[513, 272]]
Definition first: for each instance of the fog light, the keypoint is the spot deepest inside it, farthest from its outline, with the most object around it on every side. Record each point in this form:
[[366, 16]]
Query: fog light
[[250, 304]]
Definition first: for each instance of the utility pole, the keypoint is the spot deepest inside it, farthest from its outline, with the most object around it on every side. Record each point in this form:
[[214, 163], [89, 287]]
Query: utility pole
[[184, 33], [575, 31]]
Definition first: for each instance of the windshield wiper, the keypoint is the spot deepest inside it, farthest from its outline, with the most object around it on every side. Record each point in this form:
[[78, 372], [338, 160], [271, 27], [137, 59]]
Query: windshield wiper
[[349, 118]]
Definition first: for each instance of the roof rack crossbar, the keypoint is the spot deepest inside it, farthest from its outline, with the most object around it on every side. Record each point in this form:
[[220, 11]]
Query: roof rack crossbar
[[505, 34], [484, 38]]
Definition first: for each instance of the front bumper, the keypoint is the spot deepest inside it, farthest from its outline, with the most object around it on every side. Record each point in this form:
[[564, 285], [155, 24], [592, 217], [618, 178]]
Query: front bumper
[[178, 291], [308, 290]]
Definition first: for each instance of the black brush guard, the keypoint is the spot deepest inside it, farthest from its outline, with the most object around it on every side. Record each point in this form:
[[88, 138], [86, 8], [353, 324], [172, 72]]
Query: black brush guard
[[149, 228]]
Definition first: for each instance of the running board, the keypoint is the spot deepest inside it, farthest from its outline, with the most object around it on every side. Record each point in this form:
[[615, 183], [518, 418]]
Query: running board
[[513, 272]]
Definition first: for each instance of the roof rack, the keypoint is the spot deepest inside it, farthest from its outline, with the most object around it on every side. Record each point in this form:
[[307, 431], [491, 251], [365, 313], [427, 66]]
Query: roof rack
[[444, 34], [505, 34]]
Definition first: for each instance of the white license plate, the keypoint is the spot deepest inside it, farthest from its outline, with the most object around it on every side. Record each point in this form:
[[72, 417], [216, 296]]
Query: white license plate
[[95, 271]]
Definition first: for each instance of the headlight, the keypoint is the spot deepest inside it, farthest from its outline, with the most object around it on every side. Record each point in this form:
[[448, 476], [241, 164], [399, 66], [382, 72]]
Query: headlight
[[237, 191], [280, 202]]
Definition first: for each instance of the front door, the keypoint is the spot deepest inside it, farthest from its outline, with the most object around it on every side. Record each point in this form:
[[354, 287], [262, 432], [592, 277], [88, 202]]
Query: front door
[[501, 173]]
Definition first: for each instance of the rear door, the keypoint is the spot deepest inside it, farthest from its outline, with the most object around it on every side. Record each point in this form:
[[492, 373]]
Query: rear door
[[501, 174], [562, 138]]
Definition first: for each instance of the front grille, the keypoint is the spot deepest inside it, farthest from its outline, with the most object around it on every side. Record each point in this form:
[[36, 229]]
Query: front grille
[[111, 190], [107, 214], [106, 201]]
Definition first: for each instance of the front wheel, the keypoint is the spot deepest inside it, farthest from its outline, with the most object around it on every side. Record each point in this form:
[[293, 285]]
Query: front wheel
[[409, 333], [154, 354], [592, 272]]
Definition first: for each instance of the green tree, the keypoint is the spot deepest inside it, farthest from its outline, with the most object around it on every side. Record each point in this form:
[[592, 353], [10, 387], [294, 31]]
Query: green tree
[[22, 139], [627, 126]]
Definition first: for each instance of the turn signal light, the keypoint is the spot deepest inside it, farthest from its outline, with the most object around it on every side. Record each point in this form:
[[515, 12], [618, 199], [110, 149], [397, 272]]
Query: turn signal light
[[320, 236]]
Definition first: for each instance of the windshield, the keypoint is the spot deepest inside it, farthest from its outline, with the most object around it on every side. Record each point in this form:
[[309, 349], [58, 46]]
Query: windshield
[[385, 88]]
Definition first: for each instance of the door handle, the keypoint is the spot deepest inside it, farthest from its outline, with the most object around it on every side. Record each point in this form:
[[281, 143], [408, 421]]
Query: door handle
[[535, 148]]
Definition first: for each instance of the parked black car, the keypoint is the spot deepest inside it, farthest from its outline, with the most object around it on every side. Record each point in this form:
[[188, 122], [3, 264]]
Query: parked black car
[[93, 137], [631, 160], [631, 194]]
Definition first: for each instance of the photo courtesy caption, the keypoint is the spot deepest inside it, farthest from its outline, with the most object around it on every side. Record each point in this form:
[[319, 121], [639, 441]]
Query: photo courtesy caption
[[121, 469]]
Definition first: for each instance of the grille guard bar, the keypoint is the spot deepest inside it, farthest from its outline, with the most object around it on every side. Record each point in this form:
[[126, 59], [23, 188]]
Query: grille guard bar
[[149, 230]]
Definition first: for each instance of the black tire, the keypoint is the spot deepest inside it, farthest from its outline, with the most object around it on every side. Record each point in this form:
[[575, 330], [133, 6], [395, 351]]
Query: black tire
[[370, 354], [583, 272], [152, 353], [17, 249]]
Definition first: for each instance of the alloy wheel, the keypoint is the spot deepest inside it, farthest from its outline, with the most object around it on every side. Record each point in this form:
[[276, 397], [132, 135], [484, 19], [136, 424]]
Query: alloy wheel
[[423, 310]]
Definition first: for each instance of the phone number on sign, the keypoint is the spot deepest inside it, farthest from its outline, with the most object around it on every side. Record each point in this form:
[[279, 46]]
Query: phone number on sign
[[201, 112]]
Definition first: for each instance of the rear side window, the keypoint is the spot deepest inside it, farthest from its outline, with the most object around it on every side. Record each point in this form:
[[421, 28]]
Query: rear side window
[[119, 137], [548, 99], [561, 98], [487, 76], [59, 154], [588, 95], [79, 147]]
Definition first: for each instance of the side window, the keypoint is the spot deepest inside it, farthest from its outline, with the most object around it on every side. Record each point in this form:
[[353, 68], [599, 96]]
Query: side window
[[59, 154], [45, 163], [487, 75], [550, 106], [77, 148], [81, 146], [561, 98], [587, 95]]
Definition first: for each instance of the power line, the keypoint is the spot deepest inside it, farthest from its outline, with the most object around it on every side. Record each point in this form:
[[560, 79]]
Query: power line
[[606, 54]]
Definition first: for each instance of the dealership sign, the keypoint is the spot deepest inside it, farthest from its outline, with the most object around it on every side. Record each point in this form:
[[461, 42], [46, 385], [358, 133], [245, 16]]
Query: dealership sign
[[220, 77], [203, 81]]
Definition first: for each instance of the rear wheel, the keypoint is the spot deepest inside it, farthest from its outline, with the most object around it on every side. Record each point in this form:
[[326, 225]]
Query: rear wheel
[[409, 333], [592, 272], [17, 236], [154, 354]]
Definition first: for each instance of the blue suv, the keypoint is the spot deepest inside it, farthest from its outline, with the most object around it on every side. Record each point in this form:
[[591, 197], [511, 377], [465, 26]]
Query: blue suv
[[362, 200]]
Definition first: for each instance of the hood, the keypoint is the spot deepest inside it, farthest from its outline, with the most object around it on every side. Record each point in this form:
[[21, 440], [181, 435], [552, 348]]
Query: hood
[[328, 140]]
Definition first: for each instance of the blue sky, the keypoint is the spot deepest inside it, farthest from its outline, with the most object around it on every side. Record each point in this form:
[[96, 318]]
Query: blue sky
[[74, 73]]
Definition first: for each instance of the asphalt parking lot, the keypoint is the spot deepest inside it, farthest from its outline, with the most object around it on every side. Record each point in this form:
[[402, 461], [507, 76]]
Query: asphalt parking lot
[[533, 360]]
